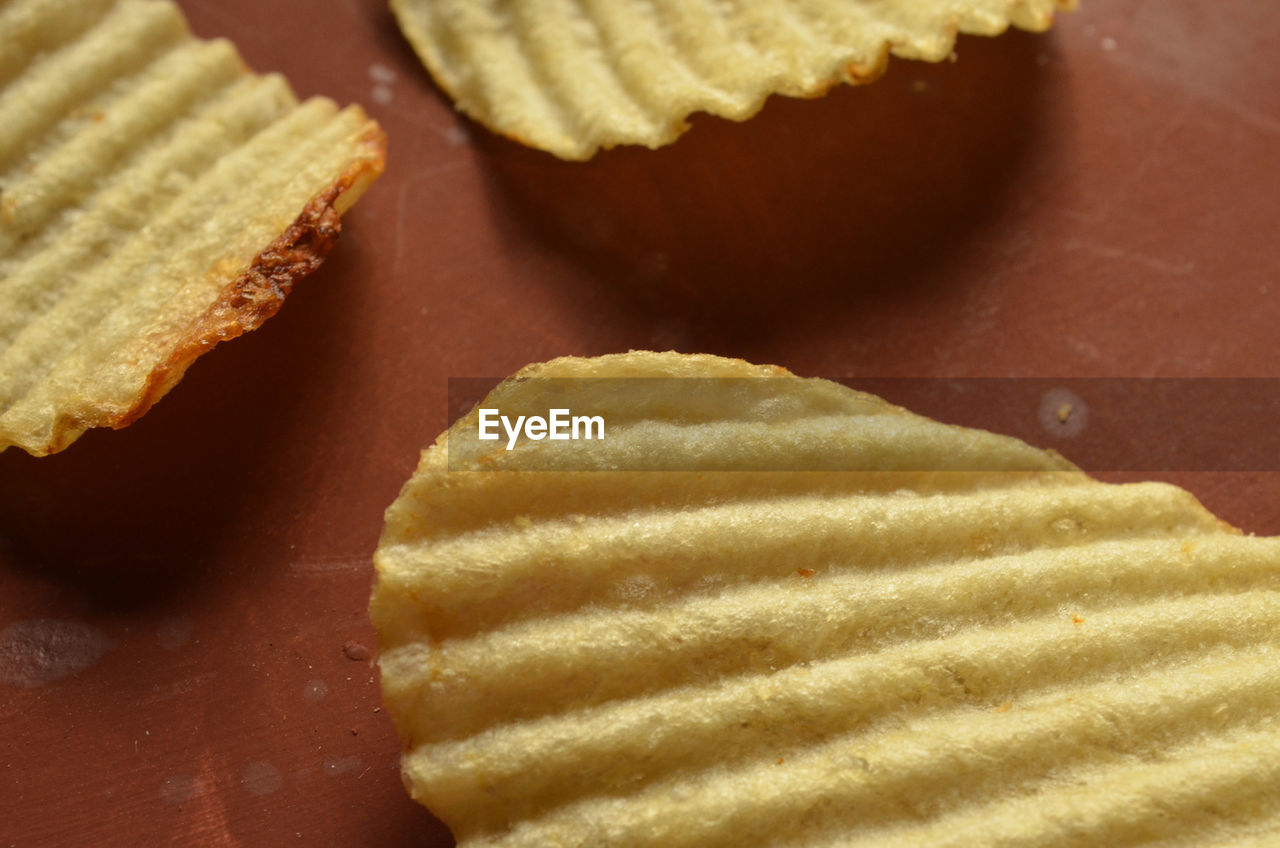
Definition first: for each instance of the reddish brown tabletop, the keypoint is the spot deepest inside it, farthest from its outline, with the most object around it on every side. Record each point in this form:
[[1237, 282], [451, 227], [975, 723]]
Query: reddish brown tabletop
[[1100, 201]]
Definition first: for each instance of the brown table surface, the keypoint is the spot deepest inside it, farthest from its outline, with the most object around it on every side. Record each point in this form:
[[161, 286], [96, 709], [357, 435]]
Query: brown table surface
[[1100, 201]]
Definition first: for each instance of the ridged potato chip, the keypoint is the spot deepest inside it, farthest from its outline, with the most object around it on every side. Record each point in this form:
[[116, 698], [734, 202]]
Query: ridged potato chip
[[919, 653], [156, 198], [570, 78]]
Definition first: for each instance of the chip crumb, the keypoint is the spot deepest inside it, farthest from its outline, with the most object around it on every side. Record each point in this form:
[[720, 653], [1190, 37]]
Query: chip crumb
[[356, 651]]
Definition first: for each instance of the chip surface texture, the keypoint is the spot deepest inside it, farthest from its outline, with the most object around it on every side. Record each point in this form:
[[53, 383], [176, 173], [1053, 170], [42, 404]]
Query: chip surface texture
[[903, 656], [156, 198], [571, 77]]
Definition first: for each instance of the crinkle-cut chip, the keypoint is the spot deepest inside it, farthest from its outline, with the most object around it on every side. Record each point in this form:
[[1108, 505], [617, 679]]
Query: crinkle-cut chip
[[914, 657], [572, 77], [156, 198]]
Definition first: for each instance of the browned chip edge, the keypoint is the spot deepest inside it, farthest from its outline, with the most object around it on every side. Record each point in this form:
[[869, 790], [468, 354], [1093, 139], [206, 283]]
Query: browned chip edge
[[251, 298], [258, 293]]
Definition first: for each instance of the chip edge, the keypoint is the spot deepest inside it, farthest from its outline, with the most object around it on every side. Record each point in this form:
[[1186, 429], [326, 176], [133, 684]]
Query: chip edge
[[581, 149], [247, 300]]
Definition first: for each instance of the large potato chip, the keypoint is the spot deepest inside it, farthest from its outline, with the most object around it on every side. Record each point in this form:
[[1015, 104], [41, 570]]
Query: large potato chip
[[571, 78], [156, 198], [920, 653]]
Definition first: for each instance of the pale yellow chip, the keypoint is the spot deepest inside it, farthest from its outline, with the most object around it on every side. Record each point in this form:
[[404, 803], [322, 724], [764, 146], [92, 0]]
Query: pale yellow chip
[[922, 656], [156, 198], [570, 77]]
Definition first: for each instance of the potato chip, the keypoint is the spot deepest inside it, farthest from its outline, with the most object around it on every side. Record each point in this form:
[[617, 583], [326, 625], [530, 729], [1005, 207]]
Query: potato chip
[[923, 652], [570, 78], [156, 198]]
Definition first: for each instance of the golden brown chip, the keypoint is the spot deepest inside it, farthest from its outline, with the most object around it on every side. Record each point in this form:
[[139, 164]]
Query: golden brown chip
[[571, 78], [156, 198], [906, 655]]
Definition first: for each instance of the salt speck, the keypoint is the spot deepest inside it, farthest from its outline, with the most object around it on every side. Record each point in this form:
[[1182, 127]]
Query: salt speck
[[315, 690], [341, 765], [456, 136], [382, 78], [1109, 44], [380, 73]]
